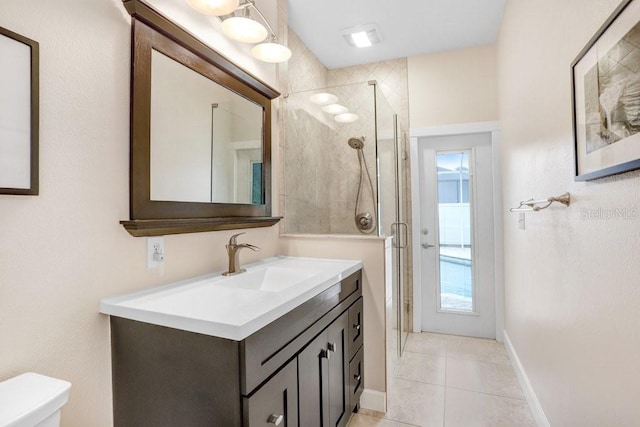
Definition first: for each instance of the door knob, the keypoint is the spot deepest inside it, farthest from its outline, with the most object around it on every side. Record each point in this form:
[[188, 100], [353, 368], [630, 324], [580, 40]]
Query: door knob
[[426, 245]]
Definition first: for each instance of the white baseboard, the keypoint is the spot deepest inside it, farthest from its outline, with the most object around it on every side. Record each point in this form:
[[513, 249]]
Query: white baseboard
[[373, 400], [530, 394]]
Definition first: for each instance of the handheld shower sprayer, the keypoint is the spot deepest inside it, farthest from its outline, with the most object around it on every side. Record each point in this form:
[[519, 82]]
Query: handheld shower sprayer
[[356, 143], [364, 220]]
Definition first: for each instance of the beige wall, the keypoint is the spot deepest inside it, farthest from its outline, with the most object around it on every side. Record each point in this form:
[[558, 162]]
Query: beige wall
[[453, 87], [571, 283], [62, 251]]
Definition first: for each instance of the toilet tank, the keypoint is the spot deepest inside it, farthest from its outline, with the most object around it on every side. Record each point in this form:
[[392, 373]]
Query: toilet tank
[[31, 400]]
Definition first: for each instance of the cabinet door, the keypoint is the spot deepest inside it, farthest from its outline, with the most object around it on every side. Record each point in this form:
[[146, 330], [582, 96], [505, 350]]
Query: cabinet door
[[276, 402], [313, 383], [323, 383], [338, 346]]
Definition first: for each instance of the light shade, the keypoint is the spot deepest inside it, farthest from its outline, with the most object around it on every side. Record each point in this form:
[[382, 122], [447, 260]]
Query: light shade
[[214, 7], [346, 118], [335, 109], [244, 29], [323, 98], [271, 52]]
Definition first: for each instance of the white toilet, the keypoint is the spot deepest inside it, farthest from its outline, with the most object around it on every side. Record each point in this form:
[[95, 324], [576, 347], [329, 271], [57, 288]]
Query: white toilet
[[32, 400]]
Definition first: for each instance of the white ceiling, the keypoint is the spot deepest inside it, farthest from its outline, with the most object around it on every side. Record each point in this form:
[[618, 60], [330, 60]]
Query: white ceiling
[[408, 27]]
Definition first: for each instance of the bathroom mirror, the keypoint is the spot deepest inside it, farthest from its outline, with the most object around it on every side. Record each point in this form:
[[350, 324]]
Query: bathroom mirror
[[206, 141], [200, 134]]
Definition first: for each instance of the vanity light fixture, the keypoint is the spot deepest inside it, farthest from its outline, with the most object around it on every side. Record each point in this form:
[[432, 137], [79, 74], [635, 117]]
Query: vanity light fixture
[[335, 109], [323, 98], [271, 51], [245, 28], [214, 7]]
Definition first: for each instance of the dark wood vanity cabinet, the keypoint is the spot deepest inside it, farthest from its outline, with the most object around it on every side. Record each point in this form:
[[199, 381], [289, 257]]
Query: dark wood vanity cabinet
[[304, 369]]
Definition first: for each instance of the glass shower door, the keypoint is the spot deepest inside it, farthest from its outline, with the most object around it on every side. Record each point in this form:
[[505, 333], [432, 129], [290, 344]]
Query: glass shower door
[[392, 211], [403, 232]]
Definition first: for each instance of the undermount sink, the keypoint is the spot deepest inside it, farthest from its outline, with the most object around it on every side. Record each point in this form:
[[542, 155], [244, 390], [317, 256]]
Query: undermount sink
[[233, 307]]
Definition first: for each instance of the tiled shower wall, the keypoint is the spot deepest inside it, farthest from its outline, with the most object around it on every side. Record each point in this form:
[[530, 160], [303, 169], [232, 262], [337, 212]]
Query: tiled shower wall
[[318, 163], [322, 170], [303, 203], [391, 77]]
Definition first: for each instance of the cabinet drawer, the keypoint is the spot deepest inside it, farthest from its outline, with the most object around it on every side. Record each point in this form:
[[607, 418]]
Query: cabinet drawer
[[356, 327], [356, 378], [276, 402], [266, 350]]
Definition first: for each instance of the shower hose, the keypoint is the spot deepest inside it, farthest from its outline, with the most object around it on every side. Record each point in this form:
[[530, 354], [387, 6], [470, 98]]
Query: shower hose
[[362, 161]]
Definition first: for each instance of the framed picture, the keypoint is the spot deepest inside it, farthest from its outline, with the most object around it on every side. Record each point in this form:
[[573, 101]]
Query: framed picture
[[606, 97], [19, 114]]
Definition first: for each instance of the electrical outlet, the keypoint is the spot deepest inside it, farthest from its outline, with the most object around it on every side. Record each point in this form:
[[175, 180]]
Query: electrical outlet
[[521, 220], [155, 251]]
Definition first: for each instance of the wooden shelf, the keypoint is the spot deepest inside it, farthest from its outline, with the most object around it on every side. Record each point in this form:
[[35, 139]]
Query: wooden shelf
[[161, 227]]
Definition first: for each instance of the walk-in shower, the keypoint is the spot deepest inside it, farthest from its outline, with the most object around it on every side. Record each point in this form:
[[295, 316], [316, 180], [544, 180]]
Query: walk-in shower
[[329, 189]]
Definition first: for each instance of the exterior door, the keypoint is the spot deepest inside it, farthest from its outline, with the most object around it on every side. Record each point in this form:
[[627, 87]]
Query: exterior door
[[457, 234]]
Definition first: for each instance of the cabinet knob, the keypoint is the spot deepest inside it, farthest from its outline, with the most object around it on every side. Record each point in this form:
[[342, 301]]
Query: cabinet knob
[[332, 346], [356, 326], [357, 377], [275, 419], [325, 354]]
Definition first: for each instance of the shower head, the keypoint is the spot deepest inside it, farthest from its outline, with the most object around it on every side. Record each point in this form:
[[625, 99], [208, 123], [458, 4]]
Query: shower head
[[356, 143]]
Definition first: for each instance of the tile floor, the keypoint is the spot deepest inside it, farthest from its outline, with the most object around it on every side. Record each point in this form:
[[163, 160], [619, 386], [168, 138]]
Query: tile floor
[[450, 381]]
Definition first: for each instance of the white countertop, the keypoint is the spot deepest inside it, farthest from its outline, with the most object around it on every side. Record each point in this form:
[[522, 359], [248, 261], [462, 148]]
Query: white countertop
[[233, 307]]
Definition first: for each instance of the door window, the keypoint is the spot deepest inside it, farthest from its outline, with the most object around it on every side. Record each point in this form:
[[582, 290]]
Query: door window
[[454, 231]]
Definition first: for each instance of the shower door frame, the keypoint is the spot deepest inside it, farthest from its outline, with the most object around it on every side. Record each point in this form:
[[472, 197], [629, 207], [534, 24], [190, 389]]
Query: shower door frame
[[450, 130], [399, 243]]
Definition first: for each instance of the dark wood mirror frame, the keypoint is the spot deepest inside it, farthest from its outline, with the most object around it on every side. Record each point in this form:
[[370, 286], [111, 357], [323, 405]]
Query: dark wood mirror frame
[[34, 77], [153, 31]]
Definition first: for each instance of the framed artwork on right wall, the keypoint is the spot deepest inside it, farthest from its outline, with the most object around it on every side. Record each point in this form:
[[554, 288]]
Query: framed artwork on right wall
[[606, 97]]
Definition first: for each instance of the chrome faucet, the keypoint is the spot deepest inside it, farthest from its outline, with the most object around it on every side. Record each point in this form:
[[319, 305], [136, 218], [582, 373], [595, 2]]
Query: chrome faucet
[[233, 247]]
